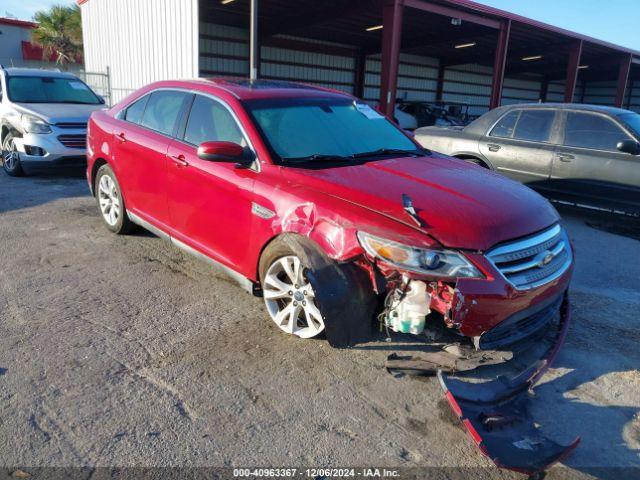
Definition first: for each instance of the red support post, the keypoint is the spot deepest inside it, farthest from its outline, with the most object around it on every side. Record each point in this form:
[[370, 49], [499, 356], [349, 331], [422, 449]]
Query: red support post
[[572, 71], [499, 64], [359, 75], [623, 78], [391, 39], [440, 84]]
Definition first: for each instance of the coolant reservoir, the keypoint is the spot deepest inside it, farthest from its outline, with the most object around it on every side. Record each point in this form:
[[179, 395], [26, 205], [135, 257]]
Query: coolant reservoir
[[410, 314]]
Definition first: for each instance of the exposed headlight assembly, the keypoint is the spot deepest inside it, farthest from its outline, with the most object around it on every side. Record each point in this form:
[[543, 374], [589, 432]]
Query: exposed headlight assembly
[[433, 262], [32, 124]]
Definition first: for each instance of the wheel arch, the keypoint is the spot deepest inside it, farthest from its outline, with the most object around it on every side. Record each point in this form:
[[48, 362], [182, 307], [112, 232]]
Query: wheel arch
[[99, 162], [474, 157]]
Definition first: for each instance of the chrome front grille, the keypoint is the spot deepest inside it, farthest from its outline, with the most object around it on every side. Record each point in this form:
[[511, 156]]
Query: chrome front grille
[[533, 261], [73, 141]]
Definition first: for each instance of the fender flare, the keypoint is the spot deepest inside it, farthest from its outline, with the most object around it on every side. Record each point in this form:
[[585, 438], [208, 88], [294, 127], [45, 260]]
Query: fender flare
[[466, 154]]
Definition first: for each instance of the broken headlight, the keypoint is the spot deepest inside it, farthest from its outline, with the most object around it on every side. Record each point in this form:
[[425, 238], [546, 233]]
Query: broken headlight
[[435, 262]]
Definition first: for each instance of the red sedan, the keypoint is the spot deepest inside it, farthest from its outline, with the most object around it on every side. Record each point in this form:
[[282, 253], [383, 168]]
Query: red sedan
[[313, 200]]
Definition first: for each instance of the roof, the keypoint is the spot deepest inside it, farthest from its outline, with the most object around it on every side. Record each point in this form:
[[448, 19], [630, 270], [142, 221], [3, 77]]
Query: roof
[[246, 89], [17, 23], [37, 72], [569, 106], [479, 8], [480, 125]]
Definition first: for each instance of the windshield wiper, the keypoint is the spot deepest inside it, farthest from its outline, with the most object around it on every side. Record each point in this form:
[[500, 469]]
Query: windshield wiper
[[316, 157], [390, 151]]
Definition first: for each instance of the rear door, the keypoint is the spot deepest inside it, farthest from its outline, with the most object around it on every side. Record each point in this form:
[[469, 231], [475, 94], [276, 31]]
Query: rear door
[[520, 145], [140, 146], [588, 167], [210, 202]]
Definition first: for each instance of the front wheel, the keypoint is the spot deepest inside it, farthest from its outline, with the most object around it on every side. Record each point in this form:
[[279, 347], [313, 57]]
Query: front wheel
[[290, 298], [11, 157]]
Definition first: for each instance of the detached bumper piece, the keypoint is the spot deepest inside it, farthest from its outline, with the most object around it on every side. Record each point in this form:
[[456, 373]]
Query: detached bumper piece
[[495, 414]]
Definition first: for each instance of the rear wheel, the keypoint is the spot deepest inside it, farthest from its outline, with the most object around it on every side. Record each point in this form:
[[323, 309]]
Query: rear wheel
[[11, 157], [288, 294], [110, 201]]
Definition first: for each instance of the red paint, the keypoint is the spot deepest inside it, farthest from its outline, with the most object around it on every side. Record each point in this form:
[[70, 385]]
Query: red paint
[[208, 204], [220, 150]]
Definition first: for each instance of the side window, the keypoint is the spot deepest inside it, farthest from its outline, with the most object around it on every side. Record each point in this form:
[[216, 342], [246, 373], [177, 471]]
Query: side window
[[504, 128], [597, 132], [163, 110], [209, 121], [134, 112], [535, 125]]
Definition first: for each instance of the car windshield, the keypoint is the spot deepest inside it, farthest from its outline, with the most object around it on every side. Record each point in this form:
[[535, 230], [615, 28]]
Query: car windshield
[[39, 89], [632, 120], [321, 129]]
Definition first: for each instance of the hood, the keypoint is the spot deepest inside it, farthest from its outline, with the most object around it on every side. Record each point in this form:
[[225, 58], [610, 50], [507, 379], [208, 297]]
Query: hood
[[461, 205], [60, 112]]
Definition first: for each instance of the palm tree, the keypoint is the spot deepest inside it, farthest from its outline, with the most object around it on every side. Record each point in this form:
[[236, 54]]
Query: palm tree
[[59, 32]]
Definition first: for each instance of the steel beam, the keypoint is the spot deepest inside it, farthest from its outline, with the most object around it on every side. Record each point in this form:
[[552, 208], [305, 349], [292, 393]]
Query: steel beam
[[440, 86], [359, 76], [623, 78], [254, 44], [572, 71], [544, 89], [391, 38], [453, 13], [499, 63]]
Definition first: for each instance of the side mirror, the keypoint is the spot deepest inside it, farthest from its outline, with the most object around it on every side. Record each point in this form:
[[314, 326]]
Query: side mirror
[[221, 152], [629, 146]]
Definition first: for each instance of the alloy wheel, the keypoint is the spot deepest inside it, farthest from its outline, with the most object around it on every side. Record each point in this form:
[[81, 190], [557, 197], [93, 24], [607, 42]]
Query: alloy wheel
[[109, 200], [10, 154], [290, 298]]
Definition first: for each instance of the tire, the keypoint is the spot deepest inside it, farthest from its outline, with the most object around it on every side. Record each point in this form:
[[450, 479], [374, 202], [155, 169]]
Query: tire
[[476, 161], [10, 157], [110, 202], [288, 295]]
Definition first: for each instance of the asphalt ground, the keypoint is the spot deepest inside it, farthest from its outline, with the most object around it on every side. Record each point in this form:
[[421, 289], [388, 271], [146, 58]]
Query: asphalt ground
[[121, 351]]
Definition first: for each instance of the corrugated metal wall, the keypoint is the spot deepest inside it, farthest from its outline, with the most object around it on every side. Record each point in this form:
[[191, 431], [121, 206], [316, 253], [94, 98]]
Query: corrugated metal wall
[[117, 35], [224, 51], [417, 78]]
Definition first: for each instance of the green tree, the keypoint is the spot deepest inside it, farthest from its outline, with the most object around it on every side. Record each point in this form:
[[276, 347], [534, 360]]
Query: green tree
[[59, 32]]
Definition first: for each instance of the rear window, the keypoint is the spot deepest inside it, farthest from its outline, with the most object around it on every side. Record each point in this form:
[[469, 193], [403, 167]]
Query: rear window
[[135, 111], [162, 111], [534, 125], [506, 125]]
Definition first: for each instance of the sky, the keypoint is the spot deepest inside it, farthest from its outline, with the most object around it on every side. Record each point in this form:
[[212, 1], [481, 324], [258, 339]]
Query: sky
[[615, 21]]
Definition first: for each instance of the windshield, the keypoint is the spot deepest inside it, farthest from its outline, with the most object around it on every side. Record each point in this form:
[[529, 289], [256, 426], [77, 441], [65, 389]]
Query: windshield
[[324, 128], [50, 90], [632, 120]]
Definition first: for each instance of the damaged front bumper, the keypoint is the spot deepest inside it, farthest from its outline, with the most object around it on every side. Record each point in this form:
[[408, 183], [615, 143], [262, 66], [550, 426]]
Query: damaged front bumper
[[495, 413]]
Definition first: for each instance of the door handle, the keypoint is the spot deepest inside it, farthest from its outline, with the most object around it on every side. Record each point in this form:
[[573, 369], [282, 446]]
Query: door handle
[[180, 160], [120, 137], [565, 157], [494, 147]]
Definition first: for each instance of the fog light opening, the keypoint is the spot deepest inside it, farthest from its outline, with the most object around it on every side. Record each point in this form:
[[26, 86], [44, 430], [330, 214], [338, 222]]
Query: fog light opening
[[35, 151]]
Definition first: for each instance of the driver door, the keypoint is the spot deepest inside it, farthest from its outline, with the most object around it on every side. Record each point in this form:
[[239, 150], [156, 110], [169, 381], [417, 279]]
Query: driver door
[[210, 202]]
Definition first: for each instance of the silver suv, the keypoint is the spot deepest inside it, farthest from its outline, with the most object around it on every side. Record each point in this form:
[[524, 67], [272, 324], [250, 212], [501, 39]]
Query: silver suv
[[43, 119]]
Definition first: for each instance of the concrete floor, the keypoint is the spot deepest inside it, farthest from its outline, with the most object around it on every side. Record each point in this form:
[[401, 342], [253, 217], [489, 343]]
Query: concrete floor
[[122, 351]]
